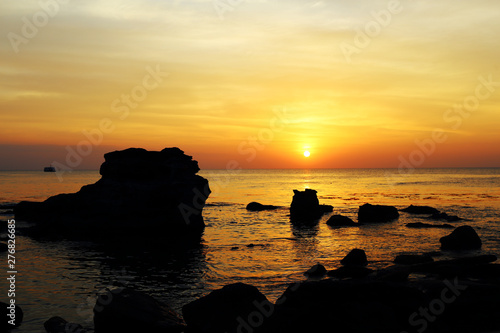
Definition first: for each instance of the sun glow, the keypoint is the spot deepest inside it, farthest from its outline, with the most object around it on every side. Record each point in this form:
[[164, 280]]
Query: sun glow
[[307, 153]]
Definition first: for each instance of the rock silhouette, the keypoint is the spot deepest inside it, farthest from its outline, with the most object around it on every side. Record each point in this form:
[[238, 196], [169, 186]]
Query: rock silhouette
[[156, 190], [420, 210], [257, 207], [377, 213], [462, 238], [340, 221], [305, 206]]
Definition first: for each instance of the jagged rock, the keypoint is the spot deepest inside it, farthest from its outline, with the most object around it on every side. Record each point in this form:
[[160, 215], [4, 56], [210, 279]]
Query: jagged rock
[[305, 206], [420, 210], [356, 257], [225, 310], [377, 213], [445, 216], [125, 310], [412, 259], [340, 221], [10, 312], [462, 238], [156, 190], [257, 207], [317, 270], [421, 225]]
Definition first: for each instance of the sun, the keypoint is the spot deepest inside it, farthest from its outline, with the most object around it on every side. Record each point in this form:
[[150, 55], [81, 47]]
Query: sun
[[307, 153]]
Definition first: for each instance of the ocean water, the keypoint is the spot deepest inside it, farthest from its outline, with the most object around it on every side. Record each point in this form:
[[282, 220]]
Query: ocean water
[[62, 277]]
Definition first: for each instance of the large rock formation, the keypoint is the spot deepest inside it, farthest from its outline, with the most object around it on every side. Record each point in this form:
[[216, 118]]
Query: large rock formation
[[462, 238], [305, 206], [140, 192]]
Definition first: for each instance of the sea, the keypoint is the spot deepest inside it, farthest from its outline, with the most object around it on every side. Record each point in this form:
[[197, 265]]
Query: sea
[[62, 277]]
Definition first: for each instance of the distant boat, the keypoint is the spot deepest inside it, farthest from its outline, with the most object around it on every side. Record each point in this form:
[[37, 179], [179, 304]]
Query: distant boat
[[49, 169]]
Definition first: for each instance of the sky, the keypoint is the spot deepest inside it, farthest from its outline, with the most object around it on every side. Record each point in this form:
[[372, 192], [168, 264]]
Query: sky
[[251, 83]]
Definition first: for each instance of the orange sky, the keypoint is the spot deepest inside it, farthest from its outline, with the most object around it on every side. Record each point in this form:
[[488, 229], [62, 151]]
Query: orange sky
[[256, 82]]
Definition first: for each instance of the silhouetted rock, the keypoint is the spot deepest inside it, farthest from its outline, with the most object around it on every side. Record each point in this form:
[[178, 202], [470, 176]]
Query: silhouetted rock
[[257, 207], [377, 213], [340, 221], [444, 216], [421, 225], [462, 238], [10, 313], [305, 206], [355, 272], [224, 310], [158, 190], [356, 257], [317, 270], [126, 310], [420, 210], [60, 325], [412, 259]]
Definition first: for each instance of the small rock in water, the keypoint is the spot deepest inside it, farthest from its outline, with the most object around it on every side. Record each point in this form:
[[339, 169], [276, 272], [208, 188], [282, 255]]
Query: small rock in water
[[317, 270], [355, 272], [420, 210], [234, 248], [421, 225], [356, 257], [257, 207], [10, 312], [446, 217], [377, 213], [340, 221], [462, 238]]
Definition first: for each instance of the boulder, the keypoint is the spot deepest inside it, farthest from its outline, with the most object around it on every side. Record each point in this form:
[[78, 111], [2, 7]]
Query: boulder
[[462, 238], [377, 213], [257, 207], [340, 221], [124, 310], [158, 190], [60, 325], [8, 314], [421, 225], [412, 259], [305, 206], [224, 310], [420, 210], [316, 271], [356, 257]]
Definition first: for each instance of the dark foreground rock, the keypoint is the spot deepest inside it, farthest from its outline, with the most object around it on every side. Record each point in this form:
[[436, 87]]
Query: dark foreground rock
[[354, 272], [126, 310], [462, 238], [12, 316], [412, 259], [340, 221], [420, 210], [421, 225], [156, 190], [377, 213], [305, 206], [60, 325], [3, 247], [257, 207], [225, 310], [356, 257]]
